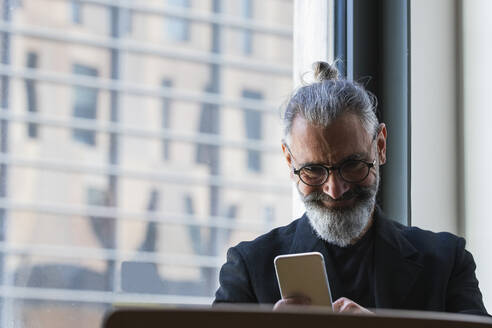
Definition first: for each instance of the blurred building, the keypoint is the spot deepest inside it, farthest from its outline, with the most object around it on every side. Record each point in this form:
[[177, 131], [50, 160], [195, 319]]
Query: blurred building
[[139, 140]]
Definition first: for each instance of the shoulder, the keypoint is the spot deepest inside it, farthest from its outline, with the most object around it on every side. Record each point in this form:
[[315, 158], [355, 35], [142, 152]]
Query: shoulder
[[275, 241], [426, 241], [427, 238]]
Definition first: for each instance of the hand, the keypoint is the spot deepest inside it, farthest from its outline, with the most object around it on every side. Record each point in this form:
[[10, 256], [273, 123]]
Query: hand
[[344, 305], [286, 302]]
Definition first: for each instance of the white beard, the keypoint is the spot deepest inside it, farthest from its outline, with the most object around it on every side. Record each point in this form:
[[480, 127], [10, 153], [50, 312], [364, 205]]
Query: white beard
[[341, 226]]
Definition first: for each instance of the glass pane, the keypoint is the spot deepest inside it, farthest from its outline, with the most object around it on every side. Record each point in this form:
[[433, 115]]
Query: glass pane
[[137, 144]]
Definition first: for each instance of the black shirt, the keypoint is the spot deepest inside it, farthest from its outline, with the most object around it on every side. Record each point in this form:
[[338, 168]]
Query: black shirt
[[351, 270]]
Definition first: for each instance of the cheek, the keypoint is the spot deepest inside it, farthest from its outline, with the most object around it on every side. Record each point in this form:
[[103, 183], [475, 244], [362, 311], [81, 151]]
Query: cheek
[[305, 189], [371, 178]]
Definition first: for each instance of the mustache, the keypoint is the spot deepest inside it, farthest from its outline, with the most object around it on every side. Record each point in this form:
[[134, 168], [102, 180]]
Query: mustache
[[359, 192], [318, 196]]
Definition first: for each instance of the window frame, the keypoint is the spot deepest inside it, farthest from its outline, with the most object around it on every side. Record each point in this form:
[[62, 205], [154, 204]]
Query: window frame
[[353, 32]]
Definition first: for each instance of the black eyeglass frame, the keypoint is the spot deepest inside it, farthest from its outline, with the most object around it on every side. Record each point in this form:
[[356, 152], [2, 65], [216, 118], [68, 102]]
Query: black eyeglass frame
[[331, 169]]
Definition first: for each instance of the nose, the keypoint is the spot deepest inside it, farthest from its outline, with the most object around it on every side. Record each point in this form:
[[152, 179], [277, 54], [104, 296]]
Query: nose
[[335, 187]]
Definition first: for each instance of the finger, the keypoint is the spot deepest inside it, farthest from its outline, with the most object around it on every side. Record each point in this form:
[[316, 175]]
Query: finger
[[349, 307], [279, 305], [339, 303], [298, 300]]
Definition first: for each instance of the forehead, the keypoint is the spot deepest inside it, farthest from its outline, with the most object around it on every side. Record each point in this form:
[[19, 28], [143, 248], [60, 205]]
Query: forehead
[[344, 137]]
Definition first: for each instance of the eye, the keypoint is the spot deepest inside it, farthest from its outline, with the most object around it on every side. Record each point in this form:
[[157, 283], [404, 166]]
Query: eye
[[313, 175], [354, 171], [353, 165], [313, 170]]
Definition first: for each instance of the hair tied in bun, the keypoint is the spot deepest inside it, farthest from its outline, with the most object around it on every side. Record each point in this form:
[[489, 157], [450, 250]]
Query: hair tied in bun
[[324, 71]]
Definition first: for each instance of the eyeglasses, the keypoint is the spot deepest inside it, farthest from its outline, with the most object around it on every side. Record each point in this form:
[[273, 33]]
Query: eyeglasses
[[351, 171]]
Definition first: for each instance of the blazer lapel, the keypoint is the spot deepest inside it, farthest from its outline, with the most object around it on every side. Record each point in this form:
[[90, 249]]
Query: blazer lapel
[[305, 239], [397, 265]]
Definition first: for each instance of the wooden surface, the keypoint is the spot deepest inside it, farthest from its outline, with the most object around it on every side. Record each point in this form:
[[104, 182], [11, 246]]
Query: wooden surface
[[258, 317]]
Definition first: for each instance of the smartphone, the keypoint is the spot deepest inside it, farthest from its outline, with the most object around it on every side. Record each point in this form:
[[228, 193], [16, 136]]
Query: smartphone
[[303, 274]]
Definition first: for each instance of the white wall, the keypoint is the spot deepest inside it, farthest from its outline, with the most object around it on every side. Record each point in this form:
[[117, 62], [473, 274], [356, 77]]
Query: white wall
[[477, 73], [433, 115], [451, 130]]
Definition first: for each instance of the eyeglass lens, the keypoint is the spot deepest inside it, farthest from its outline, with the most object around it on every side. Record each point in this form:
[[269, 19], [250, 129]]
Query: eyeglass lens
[[350, 171]]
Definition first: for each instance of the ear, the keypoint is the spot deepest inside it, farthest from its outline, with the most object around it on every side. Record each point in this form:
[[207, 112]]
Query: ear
[[381, 141], [288, 158]]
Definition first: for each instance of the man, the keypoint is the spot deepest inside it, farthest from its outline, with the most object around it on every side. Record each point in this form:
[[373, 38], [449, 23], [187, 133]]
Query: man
[[334, 146]]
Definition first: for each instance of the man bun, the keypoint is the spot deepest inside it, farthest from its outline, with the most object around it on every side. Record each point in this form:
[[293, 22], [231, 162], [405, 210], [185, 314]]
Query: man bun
[[329, 96], [324, 71]]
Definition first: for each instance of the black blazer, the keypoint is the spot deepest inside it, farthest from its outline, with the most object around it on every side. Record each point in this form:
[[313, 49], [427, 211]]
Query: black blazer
[[413, 269]]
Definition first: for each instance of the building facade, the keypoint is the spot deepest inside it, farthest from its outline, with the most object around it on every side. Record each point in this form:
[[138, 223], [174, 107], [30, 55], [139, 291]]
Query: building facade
[[139, 140]]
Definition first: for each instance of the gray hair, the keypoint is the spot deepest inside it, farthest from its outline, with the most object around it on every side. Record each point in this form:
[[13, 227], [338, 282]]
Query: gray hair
[[329, 97]]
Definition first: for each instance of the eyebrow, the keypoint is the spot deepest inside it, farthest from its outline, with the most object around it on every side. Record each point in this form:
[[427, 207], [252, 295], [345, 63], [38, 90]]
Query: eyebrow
[[357, 156]]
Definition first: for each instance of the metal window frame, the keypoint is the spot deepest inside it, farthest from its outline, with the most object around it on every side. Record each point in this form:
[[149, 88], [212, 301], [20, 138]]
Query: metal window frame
[[116, 170], [376, 30], [97, 297], [136, 89], [146, 48], [86, 253], [57, 209], [228, 21], [131, 131]]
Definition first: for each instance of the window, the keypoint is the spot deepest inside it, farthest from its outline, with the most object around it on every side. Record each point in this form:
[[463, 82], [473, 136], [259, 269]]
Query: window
[[166, 120], [96, 197], [143, 277], [269, 214], [76, 11], [32, 104], [247, 35], [139, 184], [253, 126], [126, 20], [209, 124], [85, 105], [102, 226], [194, 232], [178, 29]]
